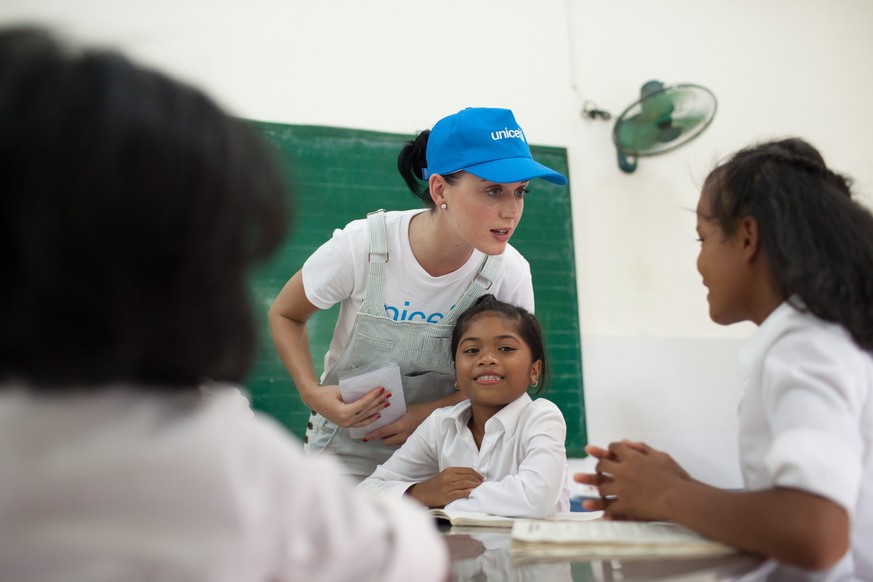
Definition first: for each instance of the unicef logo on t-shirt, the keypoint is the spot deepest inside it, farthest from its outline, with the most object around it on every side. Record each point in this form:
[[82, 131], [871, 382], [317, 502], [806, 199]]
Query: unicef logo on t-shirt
[[404, 314]]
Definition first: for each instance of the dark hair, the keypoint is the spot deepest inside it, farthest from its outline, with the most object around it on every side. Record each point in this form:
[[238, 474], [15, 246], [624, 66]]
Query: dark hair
[[818, 240], [132, 209], [527, 324], [411, 160]]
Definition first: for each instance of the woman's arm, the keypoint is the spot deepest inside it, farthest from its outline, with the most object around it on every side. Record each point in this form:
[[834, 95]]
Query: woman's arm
[[792, 526], [288, 316]]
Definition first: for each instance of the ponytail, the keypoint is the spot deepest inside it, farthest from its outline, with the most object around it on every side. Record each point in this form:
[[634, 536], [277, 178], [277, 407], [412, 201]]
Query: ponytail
[[410, 163]]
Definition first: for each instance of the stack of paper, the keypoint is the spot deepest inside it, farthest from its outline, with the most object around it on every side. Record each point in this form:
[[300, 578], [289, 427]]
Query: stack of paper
[[610, 538], [357, 383]]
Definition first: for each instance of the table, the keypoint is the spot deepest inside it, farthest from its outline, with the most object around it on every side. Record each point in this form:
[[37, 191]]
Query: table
[[483, 554]]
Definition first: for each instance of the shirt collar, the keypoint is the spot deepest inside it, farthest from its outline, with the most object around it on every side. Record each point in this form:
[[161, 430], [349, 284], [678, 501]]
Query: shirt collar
[[508, 416]]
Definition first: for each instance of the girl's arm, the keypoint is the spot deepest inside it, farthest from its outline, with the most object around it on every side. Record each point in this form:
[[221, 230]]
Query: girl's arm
[[414, 469], [534, 490], [792, 526], [288, 316]]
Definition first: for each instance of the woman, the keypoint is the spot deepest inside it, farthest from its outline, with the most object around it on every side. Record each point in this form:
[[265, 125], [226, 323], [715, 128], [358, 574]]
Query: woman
[[402, 278]]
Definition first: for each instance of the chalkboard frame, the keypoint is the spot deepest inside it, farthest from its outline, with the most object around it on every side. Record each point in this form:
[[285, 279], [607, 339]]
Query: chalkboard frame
[[337, 175]]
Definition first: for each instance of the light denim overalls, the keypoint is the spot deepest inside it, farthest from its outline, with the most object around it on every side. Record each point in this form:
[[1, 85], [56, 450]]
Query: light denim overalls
[[420, 349]]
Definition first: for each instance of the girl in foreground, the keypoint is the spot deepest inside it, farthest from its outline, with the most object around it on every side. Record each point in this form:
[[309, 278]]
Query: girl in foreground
[[498, 452], [132, 211], [782, 245]]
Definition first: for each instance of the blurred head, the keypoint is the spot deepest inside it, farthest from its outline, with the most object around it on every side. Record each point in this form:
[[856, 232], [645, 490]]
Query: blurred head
[[505, 335], [132, 209]]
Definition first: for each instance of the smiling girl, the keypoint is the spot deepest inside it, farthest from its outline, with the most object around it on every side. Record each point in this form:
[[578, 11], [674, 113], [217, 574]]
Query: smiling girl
[[402, 277], [500, 451]]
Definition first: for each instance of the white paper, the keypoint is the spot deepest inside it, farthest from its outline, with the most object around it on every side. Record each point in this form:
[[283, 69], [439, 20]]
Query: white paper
[[354, 384], [616, 537]]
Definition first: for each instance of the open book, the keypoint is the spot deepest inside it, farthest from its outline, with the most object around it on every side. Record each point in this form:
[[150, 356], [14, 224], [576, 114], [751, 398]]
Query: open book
[[473, 519], [610, 538]]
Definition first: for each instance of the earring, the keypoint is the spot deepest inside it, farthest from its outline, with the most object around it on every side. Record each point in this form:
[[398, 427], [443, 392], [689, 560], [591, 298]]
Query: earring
[[443, 205], [535, 383]]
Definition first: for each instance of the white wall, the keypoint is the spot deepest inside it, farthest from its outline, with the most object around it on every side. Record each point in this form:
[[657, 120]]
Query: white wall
[[655, 367]]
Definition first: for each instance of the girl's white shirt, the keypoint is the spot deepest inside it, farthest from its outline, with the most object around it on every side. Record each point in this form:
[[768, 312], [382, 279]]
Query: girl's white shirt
[[522, 459], [806, 419], [133, 486], [337, 273]]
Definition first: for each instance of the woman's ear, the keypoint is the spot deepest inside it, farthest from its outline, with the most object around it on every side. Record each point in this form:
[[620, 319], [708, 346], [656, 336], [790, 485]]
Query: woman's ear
[[436, 184]]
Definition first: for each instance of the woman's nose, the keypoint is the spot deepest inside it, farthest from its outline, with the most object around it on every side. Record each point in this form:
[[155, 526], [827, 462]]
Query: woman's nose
[[512, 207]]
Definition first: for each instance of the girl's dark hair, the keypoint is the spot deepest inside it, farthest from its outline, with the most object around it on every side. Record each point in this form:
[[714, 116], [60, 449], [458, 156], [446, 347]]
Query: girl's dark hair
[[818, 240], [132, 208], [528, 328], [411, 160]]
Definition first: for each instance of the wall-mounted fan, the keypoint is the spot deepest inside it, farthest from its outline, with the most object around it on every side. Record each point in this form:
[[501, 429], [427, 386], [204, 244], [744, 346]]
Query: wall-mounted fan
[[663, 119]]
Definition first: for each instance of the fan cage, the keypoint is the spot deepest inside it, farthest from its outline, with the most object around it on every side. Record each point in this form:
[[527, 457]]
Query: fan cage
[[687, 99]]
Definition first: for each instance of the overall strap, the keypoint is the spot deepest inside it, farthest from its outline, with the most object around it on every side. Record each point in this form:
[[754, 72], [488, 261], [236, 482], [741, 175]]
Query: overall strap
[[481, 283], [373, 302]]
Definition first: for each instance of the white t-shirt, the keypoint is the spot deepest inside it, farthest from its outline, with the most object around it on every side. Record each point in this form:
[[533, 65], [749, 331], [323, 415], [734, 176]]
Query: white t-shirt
[[337, 272], [522, 459], [132, 486], [806, 419]]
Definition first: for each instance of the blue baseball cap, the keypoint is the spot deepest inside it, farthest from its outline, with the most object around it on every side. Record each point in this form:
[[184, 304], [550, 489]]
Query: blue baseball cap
[[487, 142]]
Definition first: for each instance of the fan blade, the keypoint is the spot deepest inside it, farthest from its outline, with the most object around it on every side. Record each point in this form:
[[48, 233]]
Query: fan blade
[[691, 123], [657, 109], [635, 134]]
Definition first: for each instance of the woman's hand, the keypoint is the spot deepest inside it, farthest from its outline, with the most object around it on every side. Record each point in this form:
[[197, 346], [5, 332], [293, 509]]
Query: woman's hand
[[366, 410], [446, 486]]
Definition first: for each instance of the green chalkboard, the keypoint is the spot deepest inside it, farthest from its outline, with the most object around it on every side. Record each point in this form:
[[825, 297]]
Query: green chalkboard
[[339, 175]]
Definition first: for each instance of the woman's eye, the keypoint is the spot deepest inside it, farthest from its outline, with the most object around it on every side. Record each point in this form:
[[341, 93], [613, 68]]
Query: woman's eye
[[521, 192], [471, 351], [494, 192], [506, 349]]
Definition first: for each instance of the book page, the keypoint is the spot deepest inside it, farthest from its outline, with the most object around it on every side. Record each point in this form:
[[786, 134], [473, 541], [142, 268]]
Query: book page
[[469, 518], [466, 518]]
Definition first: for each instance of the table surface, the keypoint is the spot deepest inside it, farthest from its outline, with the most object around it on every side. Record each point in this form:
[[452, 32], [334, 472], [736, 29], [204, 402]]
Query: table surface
[[480, 554]]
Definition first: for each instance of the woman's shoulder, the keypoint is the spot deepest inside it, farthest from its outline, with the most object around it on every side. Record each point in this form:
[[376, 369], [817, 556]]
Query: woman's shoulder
[[359, 228]]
